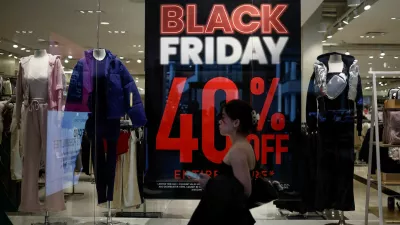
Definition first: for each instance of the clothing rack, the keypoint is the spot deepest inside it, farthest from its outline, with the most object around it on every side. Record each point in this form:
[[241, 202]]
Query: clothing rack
[[375, 130]]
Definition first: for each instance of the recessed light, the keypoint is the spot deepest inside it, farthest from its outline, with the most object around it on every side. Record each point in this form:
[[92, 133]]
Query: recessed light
[[381, 57], [15, 46], [15, 57], [82, 11], [110, 31], [30, 32], [116, 32], [104, 23], [123, 32], [371, 56], [372, 36], [396, 57], [121, 57], [367, 76], [41, 40], [90, 11], [17, 32], [361, 36], [138, 46], [136, 81], [24, 32], [1, 53], [393, 18], [139, 61], [99, 11], [66, 61], [28, 50], [9, 55], [369, 63], [347, 53], [323, 41], [70, 57], [128, 61], [346, 22], [367, 37], [140, 51], [383, 53], [367, 7], [382, 77], [134, 46], [356, 16], [340, 28], [23, 49]]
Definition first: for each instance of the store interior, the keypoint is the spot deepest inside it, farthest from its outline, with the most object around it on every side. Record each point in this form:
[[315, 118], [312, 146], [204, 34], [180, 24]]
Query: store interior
[[370, 32]]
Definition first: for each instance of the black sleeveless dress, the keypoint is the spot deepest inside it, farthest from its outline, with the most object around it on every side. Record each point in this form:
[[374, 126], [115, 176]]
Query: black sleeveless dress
[[223, 201]]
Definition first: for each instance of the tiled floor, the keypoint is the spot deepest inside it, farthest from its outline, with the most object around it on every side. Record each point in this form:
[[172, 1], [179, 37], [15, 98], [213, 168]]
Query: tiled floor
[[83, 208]]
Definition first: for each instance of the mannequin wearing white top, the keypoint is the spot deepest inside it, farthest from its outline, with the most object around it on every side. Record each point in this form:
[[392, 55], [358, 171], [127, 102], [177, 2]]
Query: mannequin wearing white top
[[335, 63], [99, 54]]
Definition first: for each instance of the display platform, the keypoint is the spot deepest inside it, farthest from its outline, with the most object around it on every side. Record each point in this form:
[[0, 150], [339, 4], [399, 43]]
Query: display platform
[[23, 220]]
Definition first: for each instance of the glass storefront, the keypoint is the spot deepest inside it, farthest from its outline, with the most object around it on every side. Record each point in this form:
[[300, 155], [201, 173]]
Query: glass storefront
[[107, 105]]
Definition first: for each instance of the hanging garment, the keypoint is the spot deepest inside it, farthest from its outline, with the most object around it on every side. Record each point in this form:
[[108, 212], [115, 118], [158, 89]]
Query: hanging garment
[[7, 88], [123, 143], [16, 149], [36, 94], [126, 188], [333, 119], [2, 106]]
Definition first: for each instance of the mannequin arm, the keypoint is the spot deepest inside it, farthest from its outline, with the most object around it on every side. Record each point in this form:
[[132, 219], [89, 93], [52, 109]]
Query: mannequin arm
[[311, 107], [359, 106]]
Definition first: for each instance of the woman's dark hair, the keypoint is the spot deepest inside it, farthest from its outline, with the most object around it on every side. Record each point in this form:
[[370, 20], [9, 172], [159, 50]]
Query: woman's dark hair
[[240, 110]]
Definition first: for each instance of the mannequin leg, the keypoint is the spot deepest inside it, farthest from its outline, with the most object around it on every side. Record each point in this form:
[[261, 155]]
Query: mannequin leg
[[31, 163]]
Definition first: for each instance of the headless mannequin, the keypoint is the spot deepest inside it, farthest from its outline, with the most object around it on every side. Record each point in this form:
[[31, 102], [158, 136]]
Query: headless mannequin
[[335, 63], [99, 54]]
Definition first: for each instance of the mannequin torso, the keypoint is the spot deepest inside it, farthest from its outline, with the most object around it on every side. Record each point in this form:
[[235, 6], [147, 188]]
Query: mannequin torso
[[99, 54], [335, 64], [38, 75]]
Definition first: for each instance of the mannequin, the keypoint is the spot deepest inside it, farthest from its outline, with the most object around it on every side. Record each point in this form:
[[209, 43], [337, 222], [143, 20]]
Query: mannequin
[[99, 54], [335, 63], [39, 90]]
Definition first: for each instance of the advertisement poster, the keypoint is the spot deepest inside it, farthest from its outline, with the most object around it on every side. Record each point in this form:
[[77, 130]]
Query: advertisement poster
[[201, 54]]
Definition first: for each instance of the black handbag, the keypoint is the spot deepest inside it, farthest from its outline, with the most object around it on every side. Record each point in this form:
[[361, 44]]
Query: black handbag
[[263, 191]]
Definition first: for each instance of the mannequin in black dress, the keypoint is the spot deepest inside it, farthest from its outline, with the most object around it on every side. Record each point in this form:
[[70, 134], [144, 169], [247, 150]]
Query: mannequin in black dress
[[225, 196]]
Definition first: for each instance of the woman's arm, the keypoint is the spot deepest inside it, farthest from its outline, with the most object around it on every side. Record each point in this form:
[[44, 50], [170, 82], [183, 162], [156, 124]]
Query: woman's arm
[[240, 166]]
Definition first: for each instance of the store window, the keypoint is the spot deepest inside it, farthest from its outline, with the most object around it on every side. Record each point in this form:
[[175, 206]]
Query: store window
[[110, 110]]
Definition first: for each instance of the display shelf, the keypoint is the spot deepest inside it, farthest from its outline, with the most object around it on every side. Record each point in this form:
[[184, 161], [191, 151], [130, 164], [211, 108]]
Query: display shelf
[[389, 216]]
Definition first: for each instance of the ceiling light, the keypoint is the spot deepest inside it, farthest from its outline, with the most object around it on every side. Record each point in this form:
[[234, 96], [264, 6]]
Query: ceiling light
[[323, 41], [138, 46], [340, 27], [396, 57], [371, 56], [140, 51], [361, 36], [28, 50], [99, 11], [139, 61], [70, 57], [121, 57], [356, 15], [116, 32], [15, 46], [383, 53], [367, 36], [66, 61], [323, 27], [381, 57], [56, 46], [382, 77], [367, 7], [90, 11], [9, 55], [82, 11], [104, 23], [347, 53], [346, 21], [23, 49], [1, 53], [134, 46], [41, 40], [329, 36], [15, 57], [24, 32], [369, 63], [30, 32], [128, 61], [123, 32], [136, 81], [393, 18], [372, 36], [110, 31], [367, 76]]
